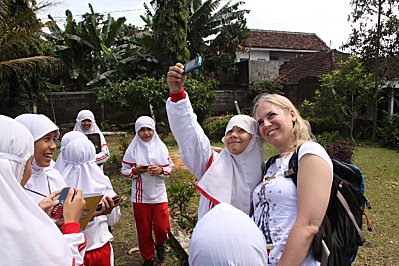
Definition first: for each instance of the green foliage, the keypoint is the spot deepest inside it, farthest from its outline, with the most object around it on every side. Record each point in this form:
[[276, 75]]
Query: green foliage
[[145, 91], [215, 127], [265, 86], [374, 35], [327, 137], [345, 93], [180, 194], [340, 150], [24, 61], [170, 28], [388, 133]]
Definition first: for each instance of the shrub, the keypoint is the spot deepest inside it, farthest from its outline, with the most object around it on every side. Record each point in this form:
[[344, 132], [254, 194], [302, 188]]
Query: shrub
[[327, 137], [180, 194], [388, 133], [340, 150], [215, 127]]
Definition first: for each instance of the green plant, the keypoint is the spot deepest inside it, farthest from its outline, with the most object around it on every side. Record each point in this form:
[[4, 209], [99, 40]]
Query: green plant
[[388, 133], [265, 86], [327, 137], [180, 194], [215, 127]]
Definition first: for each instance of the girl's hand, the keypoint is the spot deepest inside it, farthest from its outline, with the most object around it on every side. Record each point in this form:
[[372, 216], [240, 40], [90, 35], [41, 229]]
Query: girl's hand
[[141, 169], [175, 78], [154, 170], [73, 206], [47, 204]]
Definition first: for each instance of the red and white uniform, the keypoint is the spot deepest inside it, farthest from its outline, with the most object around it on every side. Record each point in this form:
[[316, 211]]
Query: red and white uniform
[[149, 198], [103, 155], [30, 237], [82, 173], [223, 177]]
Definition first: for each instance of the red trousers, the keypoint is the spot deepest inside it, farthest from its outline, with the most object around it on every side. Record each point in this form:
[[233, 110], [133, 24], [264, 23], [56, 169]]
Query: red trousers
[[99, 256], [151, 217]]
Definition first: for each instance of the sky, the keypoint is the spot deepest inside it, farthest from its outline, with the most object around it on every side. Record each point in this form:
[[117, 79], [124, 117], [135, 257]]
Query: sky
[[326, 18]]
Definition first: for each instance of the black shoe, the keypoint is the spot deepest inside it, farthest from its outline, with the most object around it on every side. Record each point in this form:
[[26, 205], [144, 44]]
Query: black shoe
[[148, 263], [161, 252]]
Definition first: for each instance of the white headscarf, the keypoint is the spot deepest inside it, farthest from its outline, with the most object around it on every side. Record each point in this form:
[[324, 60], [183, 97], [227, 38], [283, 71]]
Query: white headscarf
[[39, 125], [43, 180], [232, 178], [227, 236], [28, 235], [60, 163], [86, 114], [81, 171], [146, 152]]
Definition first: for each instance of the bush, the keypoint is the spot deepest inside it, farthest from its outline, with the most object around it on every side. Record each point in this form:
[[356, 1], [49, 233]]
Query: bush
[[215, 127], [327, 137], [340, 150], [180, 194], [388, 133]]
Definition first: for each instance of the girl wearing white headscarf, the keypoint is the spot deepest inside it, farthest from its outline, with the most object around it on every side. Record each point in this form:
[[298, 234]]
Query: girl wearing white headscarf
[[229, 176], [147, 163], [87, 117], [28, 235], [82, 172], [227, 236], [45, 179], [68, 137]]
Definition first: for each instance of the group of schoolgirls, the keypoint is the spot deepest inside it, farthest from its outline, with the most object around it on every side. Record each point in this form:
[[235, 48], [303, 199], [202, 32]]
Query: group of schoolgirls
[[28, 145], [35, 196]]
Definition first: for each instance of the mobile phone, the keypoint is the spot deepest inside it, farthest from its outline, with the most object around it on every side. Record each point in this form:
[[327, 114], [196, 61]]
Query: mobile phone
[[115, 199], [144, 167], [58, 209], [192, 65]]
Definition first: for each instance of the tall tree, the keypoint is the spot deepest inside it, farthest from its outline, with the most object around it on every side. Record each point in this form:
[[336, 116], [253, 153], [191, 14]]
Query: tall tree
[[170, 28], [214, 31], [345, 93], [375, 38]]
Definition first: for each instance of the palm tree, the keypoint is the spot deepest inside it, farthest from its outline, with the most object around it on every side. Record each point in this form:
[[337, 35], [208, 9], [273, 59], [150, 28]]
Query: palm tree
[[22, 56]]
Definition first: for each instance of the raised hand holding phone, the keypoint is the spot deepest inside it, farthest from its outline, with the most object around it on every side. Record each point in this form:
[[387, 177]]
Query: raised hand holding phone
[[192, 65]]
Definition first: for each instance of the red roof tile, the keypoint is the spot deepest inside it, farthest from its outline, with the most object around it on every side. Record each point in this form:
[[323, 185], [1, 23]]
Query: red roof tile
[[311, 65], [285, 40]]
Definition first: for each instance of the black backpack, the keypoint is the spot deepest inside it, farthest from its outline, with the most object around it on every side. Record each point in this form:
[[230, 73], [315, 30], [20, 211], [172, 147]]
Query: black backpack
[[341, 231]]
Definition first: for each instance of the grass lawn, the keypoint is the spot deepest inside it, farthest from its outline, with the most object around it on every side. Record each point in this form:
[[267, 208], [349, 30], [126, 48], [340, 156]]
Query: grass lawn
[[381, 169]]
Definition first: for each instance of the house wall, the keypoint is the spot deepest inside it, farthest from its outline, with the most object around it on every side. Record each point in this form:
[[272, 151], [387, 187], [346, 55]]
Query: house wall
[[263, 70]]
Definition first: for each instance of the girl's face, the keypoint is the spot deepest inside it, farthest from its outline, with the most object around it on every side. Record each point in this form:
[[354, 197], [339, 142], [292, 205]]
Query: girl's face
[[45, 148], [146, 134], [27, 172], [86, 124], [275, 125], [237, 140]]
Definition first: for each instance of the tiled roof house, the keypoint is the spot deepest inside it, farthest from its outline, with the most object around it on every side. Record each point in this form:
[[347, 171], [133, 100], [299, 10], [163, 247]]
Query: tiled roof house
[[282, 46], [311, 65]]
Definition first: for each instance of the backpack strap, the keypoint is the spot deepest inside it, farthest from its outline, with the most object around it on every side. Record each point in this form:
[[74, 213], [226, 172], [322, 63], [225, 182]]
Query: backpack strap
[[293, 167], [268, 163], [350, 214]]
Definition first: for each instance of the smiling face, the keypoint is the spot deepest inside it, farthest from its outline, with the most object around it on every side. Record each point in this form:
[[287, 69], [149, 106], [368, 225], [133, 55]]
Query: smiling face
[[275, 125], [45, 148], [237, 140], [146, 134], [86, 124]]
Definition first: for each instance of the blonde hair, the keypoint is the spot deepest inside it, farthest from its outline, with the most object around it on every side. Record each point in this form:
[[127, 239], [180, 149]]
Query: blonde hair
[[301, 129]]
